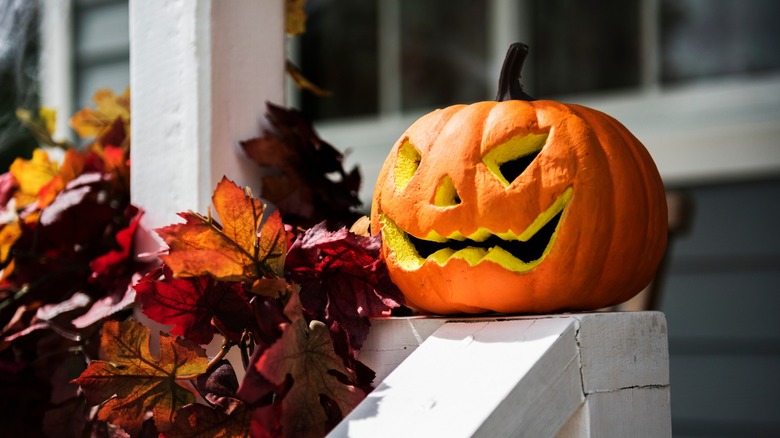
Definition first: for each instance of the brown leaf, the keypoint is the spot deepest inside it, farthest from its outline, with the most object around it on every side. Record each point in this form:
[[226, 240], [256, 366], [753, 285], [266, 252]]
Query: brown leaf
[[305, 353], [130, 381]]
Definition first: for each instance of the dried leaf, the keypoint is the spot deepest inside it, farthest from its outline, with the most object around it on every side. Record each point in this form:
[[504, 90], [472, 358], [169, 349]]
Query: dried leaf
[[189, 304], [200, 421], [237, 250], [342, 279], [294, 17], [305, 354], [93, 122], [32, 175], [113, 269], [300, 80], [130, 381], [309, 184]]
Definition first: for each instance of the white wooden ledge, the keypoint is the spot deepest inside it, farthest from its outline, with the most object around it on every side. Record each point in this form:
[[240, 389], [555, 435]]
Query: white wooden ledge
[[569, 375]]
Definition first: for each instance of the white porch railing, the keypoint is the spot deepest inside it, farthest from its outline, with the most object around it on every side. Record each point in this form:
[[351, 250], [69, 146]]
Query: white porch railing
[[576, 375]]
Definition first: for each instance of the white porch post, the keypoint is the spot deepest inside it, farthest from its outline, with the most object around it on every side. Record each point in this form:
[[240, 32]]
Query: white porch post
[[201, 72]]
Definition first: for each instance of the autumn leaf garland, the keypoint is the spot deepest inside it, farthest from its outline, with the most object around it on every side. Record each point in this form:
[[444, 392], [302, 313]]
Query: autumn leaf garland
[[235, 276]]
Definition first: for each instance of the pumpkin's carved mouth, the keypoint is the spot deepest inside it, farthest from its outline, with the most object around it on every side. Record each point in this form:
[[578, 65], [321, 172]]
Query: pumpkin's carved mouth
[[515, 252]]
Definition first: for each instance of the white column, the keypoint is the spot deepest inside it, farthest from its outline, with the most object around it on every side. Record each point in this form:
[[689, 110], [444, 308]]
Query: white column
[[201, 72], [56, 62]]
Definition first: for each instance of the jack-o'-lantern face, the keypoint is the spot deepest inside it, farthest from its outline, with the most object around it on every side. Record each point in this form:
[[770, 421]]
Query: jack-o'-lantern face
[[519, 206]]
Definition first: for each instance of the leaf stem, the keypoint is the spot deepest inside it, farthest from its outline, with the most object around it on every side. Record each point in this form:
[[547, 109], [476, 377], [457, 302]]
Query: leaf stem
[[226, 346]]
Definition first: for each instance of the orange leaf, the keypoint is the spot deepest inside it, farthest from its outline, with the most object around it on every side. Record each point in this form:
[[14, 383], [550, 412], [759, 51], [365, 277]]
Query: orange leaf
[[92, 122], [130, 381], [237, 250], [305, 353]]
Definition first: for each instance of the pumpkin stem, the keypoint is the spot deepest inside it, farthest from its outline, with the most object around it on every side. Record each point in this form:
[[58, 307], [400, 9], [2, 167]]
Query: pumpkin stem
[[509, 86]]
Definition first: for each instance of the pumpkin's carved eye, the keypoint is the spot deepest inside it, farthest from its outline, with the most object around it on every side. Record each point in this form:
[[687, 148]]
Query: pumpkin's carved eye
[[406, 164], [509, 160]]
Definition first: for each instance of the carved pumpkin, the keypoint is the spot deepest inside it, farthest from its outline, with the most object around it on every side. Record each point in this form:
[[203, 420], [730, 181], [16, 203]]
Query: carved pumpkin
[[519, 205]]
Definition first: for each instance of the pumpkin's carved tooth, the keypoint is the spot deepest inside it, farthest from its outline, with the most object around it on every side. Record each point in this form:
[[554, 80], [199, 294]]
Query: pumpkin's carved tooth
[[545, 217], [471, 255], [508, 235], [441, 256], [433, 236]]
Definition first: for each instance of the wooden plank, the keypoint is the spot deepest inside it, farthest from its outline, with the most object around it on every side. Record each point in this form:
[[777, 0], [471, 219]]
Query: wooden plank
[[633, 412], [622, 352], [466, 378], [392, 340], [569, 375]]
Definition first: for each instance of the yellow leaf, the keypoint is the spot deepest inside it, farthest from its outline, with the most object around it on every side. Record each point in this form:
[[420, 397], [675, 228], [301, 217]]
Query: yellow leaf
[[92, 122], [49, 118], [295, 17], [32, 175]]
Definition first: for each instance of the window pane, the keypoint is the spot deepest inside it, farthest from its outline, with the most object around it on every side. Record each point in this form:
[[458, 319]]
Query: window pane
[[583, 45], [443, 52], [339, 53], [717, 37]]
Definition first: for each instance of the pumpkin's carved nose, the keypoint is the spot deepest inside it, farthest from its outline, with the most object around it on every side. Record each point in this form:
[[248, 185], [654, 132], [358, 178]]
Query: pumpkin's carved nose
[[446, 194]]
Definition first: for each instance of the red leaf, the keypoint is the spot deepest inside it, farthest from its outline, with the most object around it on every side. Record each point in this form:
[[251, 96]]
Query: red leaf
[[115, 267], [189, 304], [106, 307], [302, 186], [342, 279]]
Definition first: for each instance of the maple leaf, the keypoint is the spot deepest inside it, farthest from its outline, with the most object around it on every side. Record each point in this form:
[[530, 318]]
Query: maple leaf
[[200, 421], [239, 249], [305, 353], [113, 269], [130, 381], [94, 122], [189, 304], [8, 235], [342, 279], [8, 187], [302, 187], [32, 175], [72, 167], [294, 17]]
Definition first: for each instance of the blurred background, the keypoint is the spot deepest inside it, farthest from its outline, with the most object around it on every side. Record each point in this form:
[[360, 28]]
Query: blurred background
[[698, 81]]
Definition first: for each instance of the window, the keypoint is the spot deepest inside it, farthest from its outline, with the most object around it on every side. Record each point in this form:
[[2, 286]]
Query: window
[[629, 58], [101, 48], [702, 39]]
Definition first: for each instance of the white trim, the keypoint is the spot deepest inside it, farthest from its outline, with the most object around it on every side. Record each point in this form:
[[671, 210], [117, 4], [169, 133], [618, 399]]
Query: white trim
[[56, 62]]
